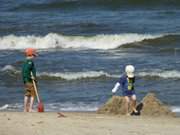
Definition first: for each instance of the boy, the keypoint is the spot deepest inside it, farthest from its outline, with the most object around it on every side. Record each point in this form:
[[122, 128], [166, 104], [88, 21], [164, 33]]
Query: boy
[[27, 69], [127, 85]]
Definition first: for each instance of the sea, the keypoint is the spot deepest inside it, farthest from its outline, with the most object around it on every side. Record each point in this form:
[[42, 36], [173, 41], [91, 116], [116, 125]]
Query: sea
[[83, 48]]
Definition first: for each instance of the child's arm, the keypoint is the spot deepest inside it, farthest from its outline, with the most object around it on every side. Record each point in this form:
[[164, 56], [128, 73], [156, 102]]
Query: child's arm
[[33, 69], [116, 86]]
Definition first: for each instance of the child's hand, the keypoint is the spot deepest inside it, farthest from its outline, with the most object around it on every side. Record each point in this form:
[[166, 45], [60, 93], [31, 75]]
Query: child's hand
[[33, 78], [114, 90]]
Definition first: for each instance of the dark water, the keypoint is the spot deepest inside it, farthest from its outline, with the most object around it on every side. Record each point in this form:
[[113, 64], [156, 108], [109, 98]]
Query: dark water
[[84, 46]]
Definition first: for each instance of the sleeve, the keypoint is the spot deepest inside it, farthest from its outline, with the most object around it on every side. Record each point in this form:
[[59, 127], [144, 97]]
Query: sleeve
[[116, 86], [121, 80], [33, 69]]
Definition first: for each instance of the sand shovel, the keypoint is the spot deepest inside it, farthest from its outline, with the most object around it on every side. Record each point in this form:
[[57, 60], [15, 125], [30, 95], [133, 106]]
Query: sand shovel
[[40, 104]]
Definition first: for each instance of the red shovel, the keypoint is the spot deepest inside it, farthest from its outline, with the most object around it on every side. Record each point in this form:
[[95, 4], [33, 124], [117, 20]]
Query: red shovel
[[40, 106]]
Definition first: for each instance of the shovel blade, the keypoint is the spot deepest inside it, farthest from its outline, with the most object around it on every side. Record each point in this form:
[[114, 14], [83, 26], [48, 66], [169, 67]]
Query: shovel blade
[[40, 107]]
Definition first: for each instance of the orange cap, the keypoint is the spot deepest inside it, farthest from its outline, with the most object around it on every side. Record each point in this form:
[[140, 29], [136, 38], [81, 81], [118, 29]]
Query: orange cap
[[30, 52]]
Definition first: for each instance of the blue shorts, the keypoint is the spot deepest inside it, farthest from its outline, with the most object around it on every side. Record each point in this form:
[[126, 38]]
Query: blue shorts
[[128, 93]]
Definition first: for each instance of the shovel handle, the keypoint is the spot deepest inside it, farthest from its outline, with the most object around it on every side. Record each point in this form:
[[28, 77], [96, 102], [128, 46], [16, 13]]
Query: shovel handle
[[35, 88]]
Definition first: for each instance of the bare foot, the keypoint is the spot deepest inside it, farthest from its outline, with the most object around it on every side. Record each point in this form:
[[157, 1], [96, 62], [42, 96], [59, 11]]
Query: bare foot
[[32, 110], [25, 110]]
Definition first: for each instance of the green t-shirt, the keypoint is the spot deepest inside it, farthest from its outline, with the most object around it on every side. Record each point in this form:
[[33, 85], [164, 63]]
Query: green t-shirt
[[28, 67]]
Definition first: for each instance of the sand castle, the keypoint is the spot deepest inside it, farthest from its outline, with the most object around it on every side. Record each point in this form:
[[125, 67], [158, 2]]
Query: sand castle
[[149, 106]]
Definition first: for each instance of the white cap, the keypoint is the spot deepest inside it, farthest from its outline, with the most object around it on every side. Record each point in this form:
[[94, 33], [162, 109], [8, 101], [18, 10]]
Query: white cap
[[130, 71]]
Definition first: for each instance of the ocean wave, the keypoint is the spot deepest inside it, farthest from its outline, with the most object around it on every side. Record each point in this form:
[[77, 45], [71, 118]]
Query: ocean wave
[[8, 68], [63, 75], [161, 74], [53, 40], [52, 107], [166, 43], [12, 107], [75, 106], [76, 75], [175, 109], [73, 4], [4, 107], [165, 74], [45, 5]]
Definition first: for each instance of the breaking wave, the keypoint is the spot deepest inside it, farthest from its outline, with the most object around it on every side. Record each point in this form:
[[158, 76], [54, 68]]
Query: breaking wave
[[8, 68], [53, 41], [165, 74], [175, 109], [161, 74], [63, 75], [4, 107], [76, 75]]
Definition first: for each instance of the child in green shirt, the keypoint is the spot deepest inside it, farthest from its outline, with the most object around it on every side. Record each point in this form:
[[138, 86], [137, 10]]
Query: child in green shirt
[[27, 69]]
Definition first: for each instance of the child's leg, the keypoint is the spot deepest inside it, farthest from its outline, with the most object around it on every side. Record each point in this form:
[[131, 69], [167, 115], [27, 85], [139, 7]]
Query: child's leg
[[127, 104], [26, 104], [133, 99], [31, 104]]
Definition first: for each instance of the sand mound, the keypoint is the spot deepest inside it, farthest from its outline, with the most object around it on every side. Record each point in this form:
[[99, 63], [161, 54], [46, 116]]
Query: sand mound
[[149, 106], [114, 105], [152, 106]]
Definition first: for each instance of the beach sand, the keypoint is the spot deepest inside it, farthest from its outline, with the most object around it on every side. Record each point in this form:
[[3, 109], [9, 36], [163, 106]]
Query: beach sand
[[49, 123]]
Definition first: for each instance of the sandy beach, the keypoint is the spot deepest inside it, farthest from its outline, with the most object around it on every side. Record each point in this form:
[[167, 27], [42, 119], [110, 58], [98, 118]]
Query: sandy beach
[[19, 123]]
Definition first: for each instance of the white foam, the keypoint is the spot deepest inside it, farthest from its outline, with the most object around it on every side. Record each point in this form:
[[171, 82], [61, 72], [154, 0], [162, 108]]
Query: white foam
[[65, 75], [175, 109], [4, 107], [96, 74], [8, 68], [53, 40], [69, 106], [161, 74], [50, 107], [76, 75]]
